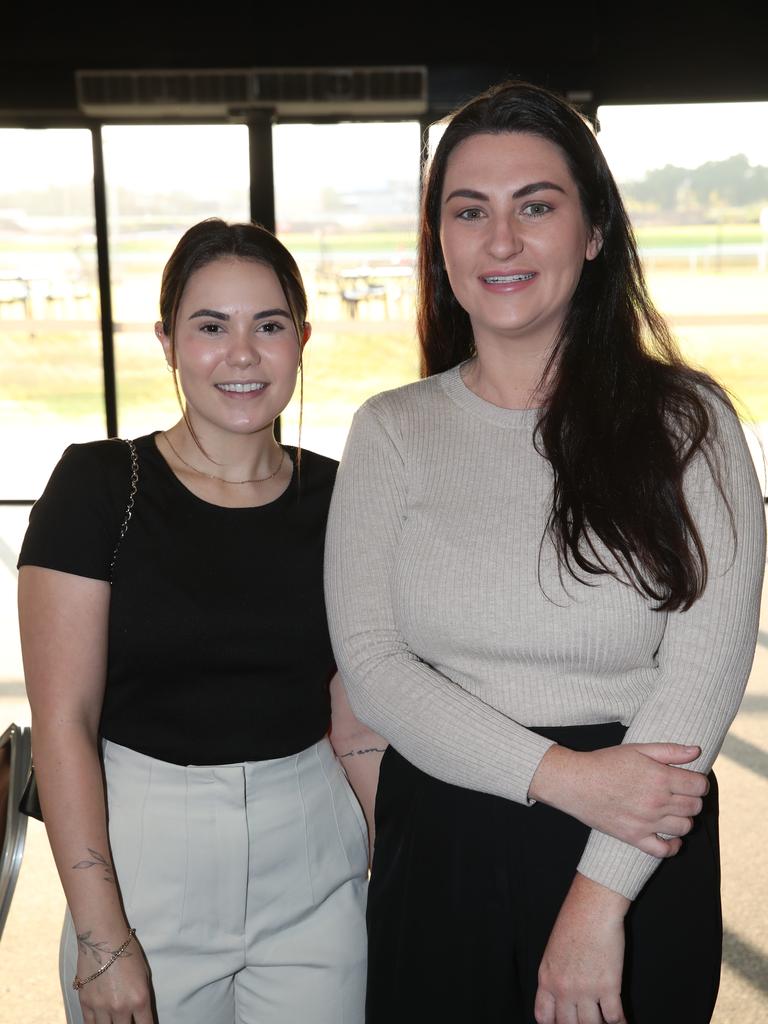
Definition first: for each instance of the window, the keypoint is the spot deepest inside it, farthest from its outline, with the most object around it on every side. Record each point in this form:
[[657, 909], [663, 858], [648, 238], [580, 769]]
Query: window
[[161, 179], [695, 181], [51, 377], [346, 204]]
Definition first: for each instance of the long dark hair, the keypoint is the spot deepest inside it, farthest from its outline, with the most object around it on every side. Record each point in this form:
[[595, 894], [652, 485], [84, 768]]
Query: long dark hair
[[625, 415], [214, 239]]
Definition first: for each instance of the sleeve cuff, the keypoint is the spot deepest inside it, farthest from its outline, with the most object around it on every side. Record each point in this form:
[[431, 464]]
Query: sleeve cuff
[[616, 865]]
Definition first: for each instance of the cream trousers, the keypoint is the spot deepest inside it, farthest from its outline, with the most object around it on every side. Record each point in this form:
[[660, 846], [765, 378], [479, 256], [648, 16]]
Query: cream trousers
[[246, 884]]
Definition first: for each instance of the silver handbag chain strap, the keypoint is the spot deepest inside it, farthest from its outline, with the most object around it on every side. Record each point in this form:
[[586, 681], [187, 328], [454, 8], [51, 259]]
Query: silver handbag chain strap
[[129, 506]]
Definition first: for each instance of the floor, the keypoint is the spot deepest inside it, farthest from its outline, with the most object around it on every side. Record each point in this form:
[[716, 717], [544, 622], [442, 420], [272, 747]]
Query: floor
[[28, 950]]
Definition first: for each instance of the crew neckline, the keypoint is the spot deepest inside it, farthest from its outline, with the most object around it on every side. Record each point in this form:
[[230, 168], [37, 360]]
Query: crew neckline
[[456, 388], [290, 451]]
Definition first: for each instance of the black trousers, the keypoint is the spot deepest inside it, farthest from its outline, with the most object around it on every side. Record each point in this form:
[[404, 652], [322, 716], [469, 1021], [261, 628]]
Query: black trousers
[[465, 888]]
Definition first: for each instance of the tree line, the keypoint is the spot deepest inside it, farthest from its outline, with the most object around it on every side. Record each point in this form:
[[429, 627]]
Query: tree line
[[731, 182]]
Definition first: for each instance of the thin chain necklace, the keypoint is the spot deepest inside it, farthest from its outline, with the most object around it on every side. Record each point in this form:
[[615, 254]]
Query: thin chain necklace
[[211, 476]]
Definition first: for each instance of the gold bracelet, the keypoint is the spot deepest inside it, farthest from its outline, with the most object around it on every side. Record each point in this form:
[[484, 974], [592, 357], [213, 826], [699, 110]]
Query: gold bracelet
[[77, 984]]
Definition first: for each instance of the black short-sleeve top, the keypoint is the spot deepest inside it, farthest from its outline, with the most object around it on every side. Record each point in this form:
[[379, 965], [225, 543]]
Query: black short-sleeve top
[[218, 643]]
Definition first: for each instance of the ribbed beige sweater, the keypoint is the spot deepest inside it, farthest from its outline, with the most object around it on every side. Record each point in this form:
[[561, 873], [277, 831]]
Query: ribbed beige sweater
[[453, 630]]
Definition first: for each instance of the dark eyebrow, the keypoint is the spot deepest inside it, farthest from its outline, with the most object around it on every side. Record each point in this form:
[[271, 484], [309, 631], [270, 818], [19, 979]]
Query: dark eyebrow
[[536, 186], [216, 315], [526, 190], [272, 312], [209, 312]]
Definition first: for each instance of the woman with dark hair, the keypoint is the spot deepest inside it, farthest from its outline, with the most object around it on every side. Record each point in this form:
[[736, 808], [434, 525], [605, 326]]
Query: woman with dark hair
[[174, 637], [543, 575]]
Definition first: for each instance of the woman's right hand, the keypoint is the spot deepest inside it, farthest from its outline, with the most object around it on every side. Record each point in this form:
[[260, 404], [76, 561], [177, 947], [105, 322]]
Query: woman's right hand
[[631, 791], [122, 994]]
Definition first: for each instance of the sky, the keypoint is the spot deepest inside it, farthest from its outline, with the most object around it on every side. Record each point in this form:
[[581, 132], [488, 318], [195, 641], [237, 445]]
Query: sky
[[200, 158], [637, 139]]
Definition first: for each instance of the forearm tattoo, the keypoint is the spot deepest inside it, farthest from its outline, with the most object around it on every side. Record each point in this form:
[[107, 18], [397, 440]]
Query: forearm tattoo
[[367, 750], [98, 950], [99, 861]]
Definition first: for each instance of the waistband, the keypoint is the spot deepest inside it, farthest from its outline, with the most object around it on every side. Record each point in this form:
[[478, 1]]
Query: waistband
[[584, 737], [276, 770]]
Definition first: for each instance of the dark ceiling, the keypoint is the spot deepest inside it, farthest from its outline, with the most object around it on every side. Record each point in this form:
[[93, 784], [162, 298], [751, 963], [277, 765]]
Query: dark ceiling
[[638, 53]]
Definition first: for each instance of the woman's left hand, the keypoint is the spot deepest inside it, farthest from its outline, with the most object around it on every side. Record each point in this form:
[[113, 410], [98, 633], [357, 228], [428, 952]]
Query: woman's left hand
[[580, 972]]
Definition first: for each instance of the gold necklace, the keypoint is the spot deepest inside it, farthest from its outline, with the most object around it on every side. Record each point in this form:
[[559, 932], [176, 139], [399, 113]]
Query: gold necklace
[[201, 472]]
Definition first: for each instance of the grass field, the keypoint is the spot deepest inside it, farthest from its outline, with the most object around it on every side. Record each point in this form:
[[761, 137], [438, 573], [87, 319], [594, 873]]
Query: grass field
[[685, 235], [161, 242], [737, 357], [735, 351], [58, 375]]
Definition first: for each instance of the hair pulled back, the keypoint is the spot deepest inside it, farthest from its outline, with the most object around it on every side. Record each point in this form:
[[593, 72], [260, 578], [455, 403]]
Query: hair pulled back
[[214, 239]]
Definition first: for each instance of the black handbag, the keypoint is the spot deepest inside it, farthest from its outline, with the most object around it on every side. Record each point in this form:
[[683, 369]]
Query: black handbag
[[29, 803]]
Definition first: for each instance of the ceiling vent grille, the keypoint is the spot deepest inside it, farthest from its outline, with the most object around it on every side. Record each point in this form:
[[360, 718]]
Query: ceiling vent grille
[[291, 92]]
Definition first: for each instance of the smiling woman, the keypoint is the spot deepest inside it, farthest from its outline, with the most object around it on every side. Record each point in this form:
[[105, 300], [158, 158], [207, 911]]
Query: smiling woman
[[237, 352], [178, 578], [543, 576], [514, 239]]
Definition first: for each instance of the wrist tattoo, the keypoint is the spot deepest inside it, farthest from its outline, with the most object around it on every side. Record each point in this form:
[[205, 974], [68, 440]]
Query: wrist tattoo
[[99, 861], [366, 750], [98, 950]]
